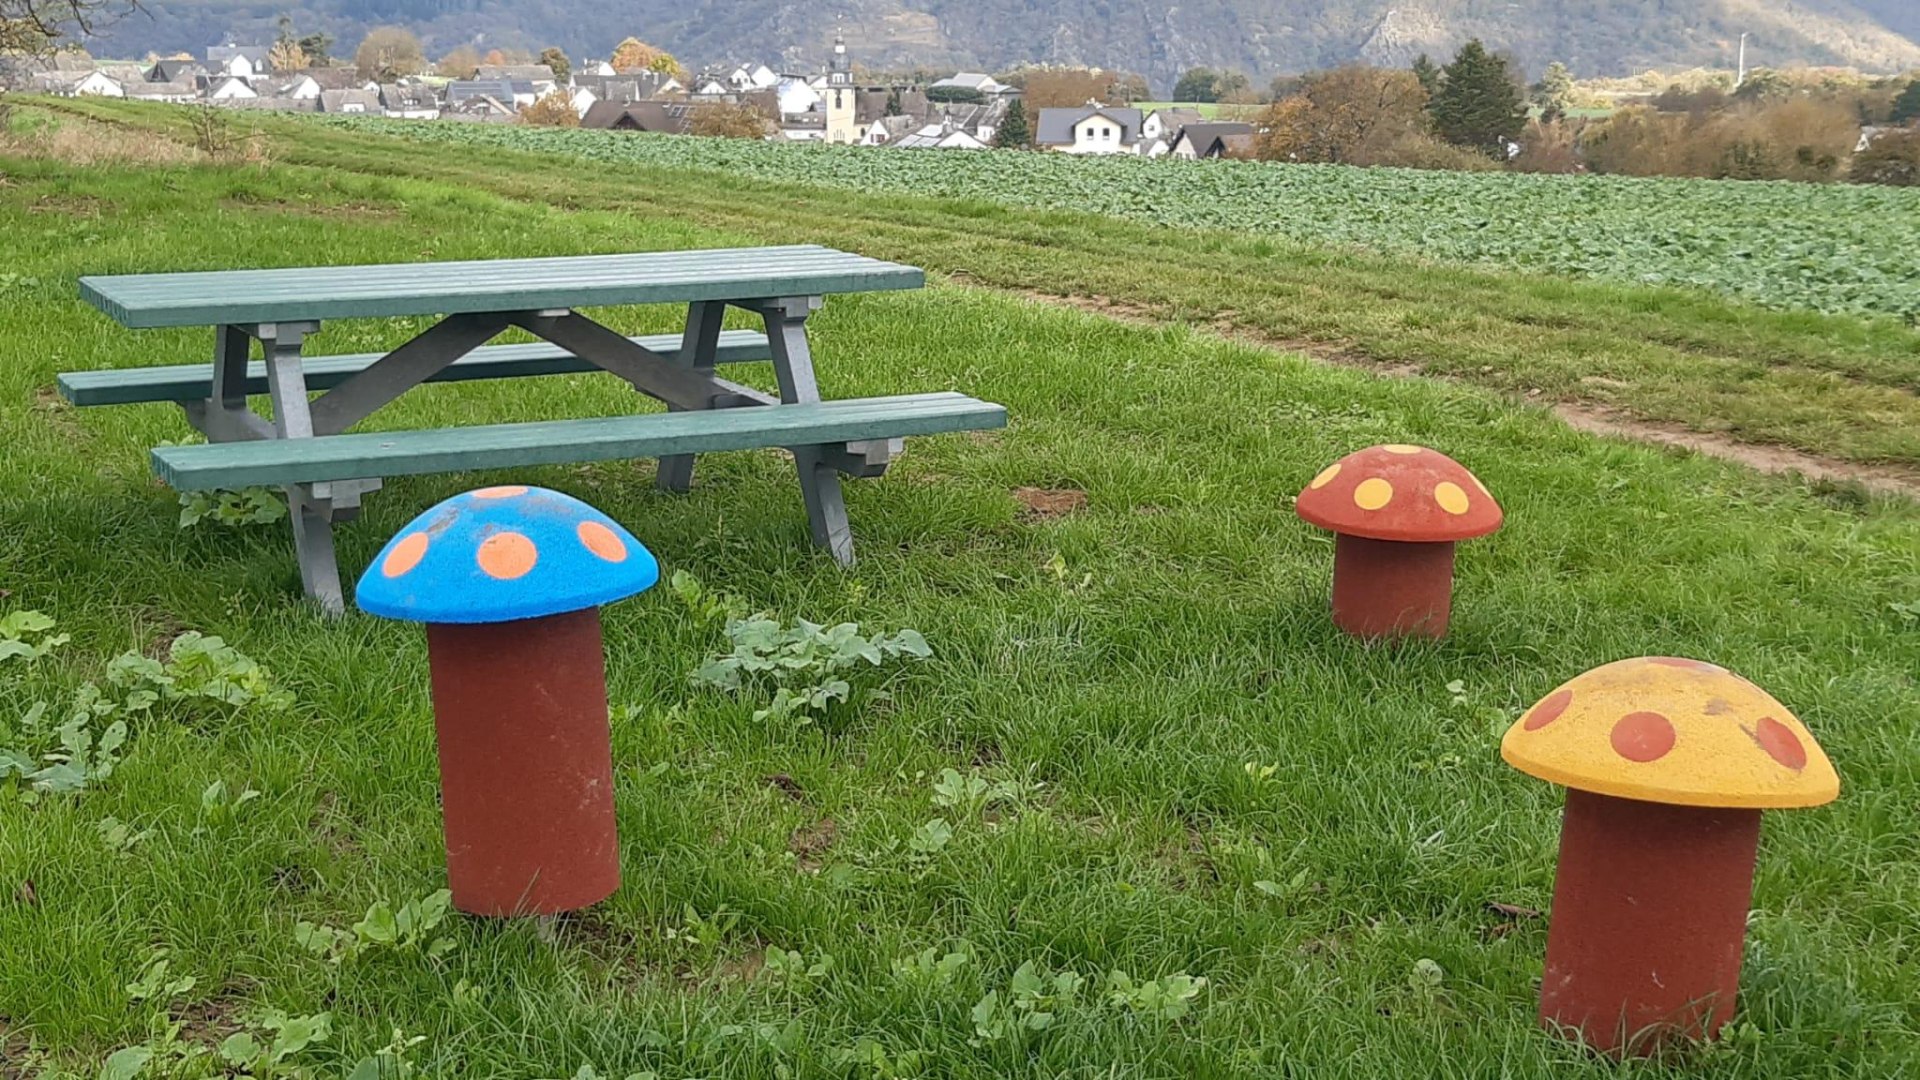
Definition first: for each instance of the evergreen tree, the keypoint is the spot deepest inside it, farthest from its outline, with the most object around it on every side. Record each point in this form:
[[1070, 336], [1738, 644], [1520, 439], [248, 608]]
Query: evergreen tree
[[1013, 134], [1428, 73], [893, 103], [1479, 104], [557, 63], [1554, 92], [1906, 107]]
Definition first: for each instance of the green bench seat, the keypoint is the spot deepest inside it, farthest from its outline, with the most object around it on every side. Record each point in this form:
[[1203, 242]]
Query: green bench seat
[[194, 382], [274, 462]]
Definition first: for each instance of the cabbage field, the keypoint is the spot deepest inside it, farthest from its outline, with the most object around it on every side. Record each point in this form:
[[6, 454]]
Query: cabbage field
[[1834, 248]]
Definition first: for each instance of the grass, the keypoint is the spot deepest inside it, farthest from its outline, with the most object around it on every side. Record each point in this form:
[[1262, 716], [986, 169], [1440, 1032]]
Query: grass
[[1119, 667]]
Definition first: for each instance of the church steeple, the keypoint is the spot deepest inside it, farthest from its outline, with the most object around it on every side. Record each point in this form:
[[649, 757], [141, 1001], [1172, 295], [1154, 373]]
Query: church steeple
[[840, 69]]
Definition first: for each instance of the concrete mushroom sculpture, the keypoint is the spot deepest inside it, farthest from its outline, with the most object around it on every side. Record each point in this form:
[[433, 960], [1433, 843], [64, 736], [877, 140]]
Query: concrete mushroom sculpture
[[1668, 763], [1396, 512], [509, 581]]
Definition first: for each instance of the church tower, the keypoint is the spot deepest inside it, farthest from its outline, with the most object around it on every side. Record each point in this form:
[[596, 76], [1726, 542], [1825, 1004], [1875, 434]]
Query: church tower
[[842, 96]]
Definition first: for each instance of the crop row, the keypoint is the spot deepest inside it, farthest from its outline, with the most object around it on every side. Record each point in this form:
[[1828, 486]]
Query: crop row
[[1832, 248]]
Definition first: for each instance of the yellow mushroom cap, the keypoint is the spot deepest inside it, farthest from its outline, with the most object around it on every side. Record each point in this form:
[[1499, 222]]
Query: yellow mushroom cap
[[1670, 730]]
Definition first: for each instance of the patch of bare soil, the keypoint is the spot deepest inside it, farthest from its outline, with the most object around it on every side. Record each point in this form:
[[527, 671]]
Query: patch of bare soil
[[1042, 504], [1778, 460], [809, 843], [1894, 480]]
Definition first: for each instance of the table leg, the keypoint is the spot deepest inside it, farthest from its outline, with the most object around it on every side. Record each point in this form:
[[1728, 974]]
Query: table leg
[[786, 322], [698, 345], [310, 509]]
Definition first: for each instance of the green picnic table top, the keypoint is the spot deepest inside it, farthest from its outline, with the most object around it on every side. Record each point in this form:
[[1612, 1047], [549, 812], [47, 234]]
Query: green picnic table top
[[241, 297]]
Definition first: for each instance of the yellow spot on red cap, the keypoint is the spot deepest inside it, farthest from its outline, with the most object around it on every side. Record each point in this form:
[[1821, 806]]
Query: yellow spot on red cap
[[1548, 710], [1642, 736], [1400, 448], [1450, 497], [1326, 476], [1780, 743], [505, 491], [506, 555], [602, 541], [405, 554], [1372, 494]]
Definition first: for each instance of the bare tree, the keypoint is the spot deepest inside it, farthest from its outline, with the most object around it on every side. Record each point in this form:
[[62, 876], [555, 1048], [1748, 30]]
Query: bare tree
[[34, 27]]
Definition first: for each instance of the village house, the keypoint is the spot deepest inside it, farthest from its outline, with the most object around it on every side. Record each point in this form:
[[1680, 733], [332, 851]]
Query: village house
[[1212, 139], [95, 83], [656, 116], [409, 101], [972, 82], [514, 92], [350, 102], [301, 87], [240, 61], [1090, 129]]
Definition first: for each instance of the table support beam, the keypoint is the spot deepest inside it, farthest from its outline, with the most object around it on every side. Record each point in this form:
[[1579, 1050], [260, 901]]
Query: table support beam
[[698, 344], [786, 322]]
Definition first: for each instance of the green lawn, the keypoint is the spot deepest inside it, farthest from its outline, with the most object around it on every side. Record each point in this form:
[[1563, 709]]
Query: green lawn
[[1192, 773]]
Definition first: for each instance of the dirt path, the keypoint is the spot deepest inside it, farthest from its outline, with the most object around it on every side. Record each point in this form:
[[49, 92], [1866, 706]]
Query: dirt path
[[1775, 460]]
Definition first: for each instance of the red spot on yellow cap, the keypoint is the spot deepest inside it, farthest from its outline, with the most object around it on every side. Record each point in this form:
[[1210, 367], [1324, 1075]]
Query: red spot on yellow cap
[[1642, 736], [1548, 710], [602, 541], [405, 554], [1780, 743], [506, 555], [505, 491]]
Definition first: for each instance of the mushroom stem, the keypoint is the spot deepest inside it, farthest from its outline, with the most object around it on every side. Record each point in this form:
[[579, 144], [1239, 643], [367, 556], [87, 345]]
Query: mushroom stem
[[526, 763], [1385, 588], [1649, 916]]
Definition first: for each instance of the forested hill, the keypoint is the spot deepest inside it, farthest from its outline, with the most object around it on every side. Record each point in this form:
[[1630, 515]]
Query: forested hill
[[1261, 37]]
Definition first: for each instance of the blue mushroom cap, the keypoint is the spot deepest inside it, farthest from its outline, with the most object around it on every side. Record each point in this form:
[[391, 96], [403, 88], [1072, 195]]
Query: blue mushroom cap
[[504, 553]]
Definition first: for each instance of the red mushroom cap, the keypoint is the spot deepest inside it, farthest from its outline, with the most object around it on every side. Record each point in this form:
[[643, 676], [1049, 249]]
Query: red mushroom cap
[[1396, 492]]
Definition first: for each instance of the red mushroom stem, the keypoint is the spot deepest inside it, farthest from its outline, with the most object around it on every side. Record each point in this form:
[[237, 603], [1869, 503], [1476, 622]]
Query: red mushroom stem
[[526, 763], [1385, 588], [1649, 918]]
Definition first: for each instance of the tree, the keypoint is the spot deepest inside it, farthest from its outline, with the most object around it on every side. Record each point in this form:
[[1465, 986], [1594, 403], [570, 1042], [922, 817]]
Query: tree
[[1013, 132], [665, 64], [1906, 107], [552, 109], [893, 103], [1429, 74], [318, 49], [286, 55], [1197, 84], [1554, 92], [1052, 88], [724, 120], [1479, 106], [1354, 114], [461, 62], [633, 54], [557, 63], [388, 53], [1893, 158], [33, 27]]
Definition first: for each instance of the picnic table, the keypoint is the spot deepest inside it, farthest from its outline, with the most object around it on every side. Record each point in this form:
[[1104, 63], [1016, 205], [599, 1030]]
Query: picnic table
[[306, 447]]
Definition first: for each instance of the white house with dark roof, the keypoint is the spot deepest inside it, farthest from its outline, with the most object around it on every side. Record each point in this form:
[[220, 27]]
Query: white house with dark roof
[[229, 88], [239, 61], [1090, 129]]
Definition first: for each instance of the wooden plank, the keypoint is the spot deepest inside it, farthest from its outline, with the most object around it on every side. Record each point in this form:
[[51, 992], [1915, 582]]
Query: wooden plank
[[448, 288], [559, 442], [193, 382]]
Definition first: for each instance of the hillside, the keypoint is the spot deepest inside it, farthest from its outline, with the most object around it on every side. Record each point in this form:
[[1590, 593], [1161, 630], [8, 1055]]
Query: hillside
[[1263, 37]]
